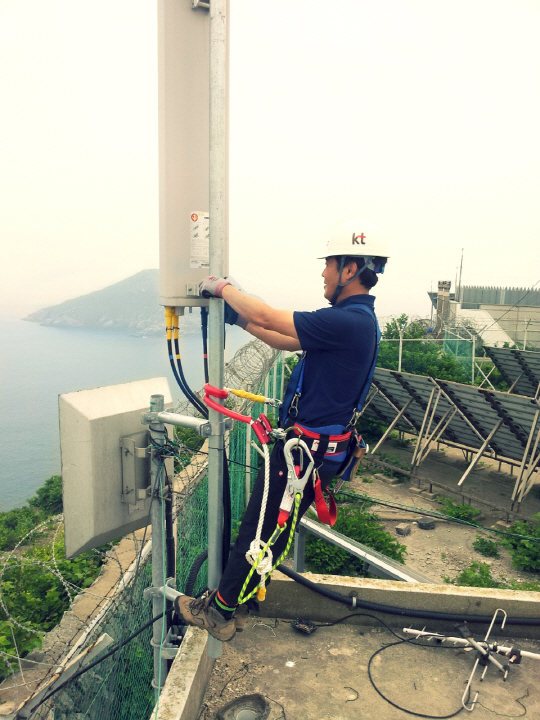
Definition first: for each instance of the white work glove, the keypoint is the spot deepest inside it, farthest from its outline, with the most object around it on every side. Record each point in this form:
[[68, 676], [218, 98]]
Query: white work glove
[[213, 286]]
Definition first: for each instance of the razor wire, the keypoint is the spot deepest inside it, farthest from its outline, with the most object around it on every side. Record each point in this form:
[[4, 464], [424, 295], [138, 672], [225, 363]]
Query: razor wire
[[120, 687]]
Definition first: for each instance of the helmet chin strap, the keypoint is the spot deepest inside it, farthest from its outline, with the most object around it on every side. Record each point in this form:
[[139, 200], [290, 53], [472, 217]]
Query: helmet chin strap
[[368, 265]]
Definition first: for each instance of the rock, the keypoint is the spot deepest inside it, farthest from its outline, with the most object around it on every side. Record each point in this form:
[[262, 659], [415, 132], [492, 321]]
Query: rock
[[426, 523], [387, 480], [403, 529]]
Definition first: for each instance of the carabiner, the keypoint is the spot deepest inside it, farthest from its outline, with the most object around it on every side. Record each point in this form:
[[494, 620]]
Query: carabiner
[[295, 481]]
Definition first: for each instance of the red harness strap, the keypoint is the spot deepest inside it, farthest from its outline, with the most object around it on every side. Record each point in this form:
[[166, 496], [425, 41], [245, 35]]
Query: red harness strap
[[326, 514]]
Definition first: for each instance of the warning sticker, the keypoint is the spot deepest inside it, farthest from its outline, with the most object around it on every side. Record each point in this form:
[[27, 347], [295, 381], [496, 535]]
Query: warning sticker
[[200, 240]]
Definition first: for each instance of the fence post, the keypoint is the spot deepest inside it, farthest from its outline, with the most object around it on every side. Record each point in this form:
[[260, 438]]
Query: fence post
[[157, 435]]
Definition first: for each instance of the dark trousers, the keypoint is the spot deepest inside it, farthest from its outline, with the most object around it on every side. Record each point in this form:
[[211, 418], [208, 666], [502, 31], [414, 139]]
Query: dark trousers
[[238, 567]]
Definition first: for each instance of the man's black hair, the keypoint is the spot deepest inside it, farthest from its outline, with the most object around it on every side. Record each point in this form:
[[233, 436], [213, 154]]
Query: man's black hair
[[368, 278]]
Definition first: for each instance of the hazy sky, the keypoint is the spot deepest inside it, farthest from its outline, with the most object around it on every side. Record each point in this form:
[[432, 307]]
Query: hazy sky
[[420, 115]]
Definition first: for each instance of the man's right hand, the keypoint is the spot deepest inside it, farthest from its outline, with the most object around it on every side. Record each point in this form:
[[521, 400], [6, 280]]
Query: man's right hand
[[213, 286]]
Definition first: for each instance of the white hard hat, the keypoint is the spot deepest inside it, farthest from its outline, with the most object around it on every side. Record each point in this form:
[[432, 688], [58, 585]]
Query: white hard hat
[[357, 238]]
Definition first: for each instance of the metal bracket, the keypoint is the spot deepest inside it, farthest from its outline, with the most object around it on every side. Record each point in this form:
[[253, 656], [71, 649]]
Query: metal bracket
[[168, 590], [200, 3]]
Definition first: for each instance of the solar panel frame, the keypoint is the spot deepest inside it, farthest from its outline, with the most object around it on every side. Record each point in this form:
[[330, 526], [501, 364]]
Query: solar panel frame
[[485, 407], [520, 368], [484, 420]]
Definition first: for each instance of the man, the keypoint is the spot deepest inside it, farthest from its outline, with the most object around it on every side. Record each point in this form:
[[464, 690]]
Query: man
[[329, 384]]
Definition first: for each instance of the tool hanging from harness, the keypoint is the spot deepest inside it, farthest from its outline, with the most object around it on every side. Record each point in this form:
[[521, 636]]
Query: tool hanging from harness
[[335, 448]]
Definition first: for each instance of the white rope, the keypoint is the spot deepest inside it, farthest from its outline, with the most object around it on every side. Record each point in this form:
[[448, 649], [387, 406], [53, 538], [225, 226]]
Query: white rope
[[257, 545]]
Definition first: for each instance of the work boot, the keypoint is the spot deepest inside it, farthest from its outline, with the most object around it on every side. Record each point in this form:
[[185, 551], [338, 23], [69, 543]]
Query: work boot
[[243, 612], [201, 614]]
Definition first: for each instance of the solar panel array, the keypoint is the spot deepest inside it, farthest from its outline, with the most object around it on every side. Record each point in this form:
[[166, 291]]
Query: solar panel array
[[522, 366], [512, 420]]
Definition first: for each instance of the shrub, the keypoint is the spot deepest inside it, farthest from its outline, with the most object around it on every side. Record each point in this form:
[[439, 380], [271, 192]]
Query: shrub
[[525, 553], [48, 497], [15, 524], [360, 525], [479, 575], [461, 511], [486, 547], [36, 597], [476, 575]]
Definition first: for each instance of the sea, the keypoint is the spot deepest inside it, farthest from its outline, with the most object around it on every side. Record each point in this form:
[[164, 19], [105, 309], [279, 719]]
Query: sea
[[37, 364]]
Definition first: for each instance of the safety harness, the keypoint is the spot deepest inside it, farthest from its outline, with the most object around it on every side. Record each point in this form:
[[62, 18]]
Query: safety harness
[[307, 451]]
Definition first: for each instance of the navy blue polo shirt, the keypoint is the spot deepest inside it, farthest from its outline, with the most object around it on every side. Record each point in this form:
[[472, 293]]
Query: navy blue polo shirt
[[340, 343]]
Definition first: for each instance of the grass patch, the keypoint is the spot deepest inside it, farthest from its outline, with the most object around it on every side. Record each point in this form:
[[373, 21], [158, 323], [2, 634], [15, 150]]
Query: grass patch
[[356, 523], [461, 511], [479, 575]]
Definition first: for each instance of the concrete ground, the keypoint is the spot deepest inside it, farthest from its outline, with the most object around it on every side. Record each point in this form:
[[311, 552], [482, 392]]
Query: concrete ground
[[324, 676]]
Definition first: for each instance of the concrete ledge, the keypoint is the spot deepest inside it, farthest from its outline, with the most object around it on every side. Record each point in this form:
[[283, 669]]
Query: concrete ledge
[[289, 599], [187, 680]]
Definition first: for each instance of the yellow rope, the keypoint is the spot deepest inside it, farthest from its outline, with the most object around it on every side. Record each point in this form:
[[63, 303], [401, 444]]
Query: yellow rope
[[277, 532]]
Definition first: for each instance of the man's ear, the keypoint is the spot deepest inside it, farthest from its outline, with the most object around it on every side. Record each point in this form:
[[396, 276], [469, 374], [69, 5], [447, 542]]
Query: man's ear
[[351, 268]]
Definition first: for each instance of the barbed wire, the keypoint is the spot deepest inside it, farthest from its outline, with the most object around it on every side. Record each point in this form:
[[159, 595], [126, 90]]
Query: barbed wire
[[246, 370]]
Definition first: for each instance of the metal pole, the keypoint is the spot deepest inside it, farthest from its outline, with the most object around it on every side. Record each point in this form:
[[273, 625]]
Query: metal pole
[[218, 235], [481, 451], [401, 330], [157, 435], [247, 486], [473, 356], [525, 336]]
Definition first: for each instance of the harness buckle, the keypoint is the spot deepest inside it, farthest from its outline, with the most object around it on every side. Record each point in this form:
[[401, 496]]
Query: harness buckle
[[293, 407]]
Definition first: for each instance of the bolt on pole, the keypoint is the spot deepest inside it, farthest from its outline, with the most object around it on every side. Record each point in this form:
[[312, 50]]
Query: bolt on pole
[[157, 435], [218, 238]]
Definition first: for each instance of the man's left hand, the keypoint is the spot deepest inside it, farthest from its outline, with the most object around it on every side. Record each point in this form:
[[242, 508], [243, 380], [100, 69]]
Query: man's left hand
[[213, 286]]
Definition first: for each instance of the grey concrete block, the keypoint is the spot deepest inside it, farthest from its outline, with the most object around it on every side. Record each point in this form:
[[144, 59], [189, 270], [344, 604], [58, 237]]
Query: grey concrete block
[[403, 529], [416, 490], [387, 480], [426, 523], [430, 496]]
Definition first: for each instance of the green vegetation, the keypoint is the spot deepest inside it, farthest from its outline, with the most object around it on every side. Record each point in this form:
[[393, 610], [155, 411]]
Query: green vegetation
[[479, 575], [428, 358], [486, 547], [31, 578], [461, 511], [420, 358], [356, 523], [525, 553], [48, 497]]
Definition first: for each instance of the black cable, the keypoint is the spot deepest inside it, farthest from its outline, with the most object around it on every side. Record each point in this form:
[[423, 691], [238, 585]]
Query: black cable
[[204, 331], [99, 660], [169, 540], [407, 612], [178, 372], [435, 514], [227, 514], [409, 712]]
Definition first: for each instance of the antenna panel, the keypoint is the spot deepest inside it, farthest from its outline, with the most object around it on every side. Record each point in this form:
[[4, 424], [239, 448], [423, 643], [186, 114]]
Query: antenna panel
[[104, 475]]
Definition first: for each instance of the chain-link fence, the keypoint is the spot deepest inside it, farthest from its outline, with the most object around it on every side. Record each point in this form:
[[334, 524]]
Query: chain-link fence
[[120, 687], [459, 347]]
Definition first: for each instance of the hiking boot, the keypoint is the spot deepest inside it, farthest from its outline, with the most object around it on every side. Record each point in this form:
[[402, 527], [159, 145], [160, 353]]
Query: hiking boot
[[202, 614], [241, 617], [243, 612]]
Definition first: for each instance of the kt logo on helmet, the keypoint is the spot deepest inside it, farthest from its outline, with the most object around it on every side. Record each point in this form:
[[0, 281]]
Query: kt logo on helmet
[[355, 239]]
